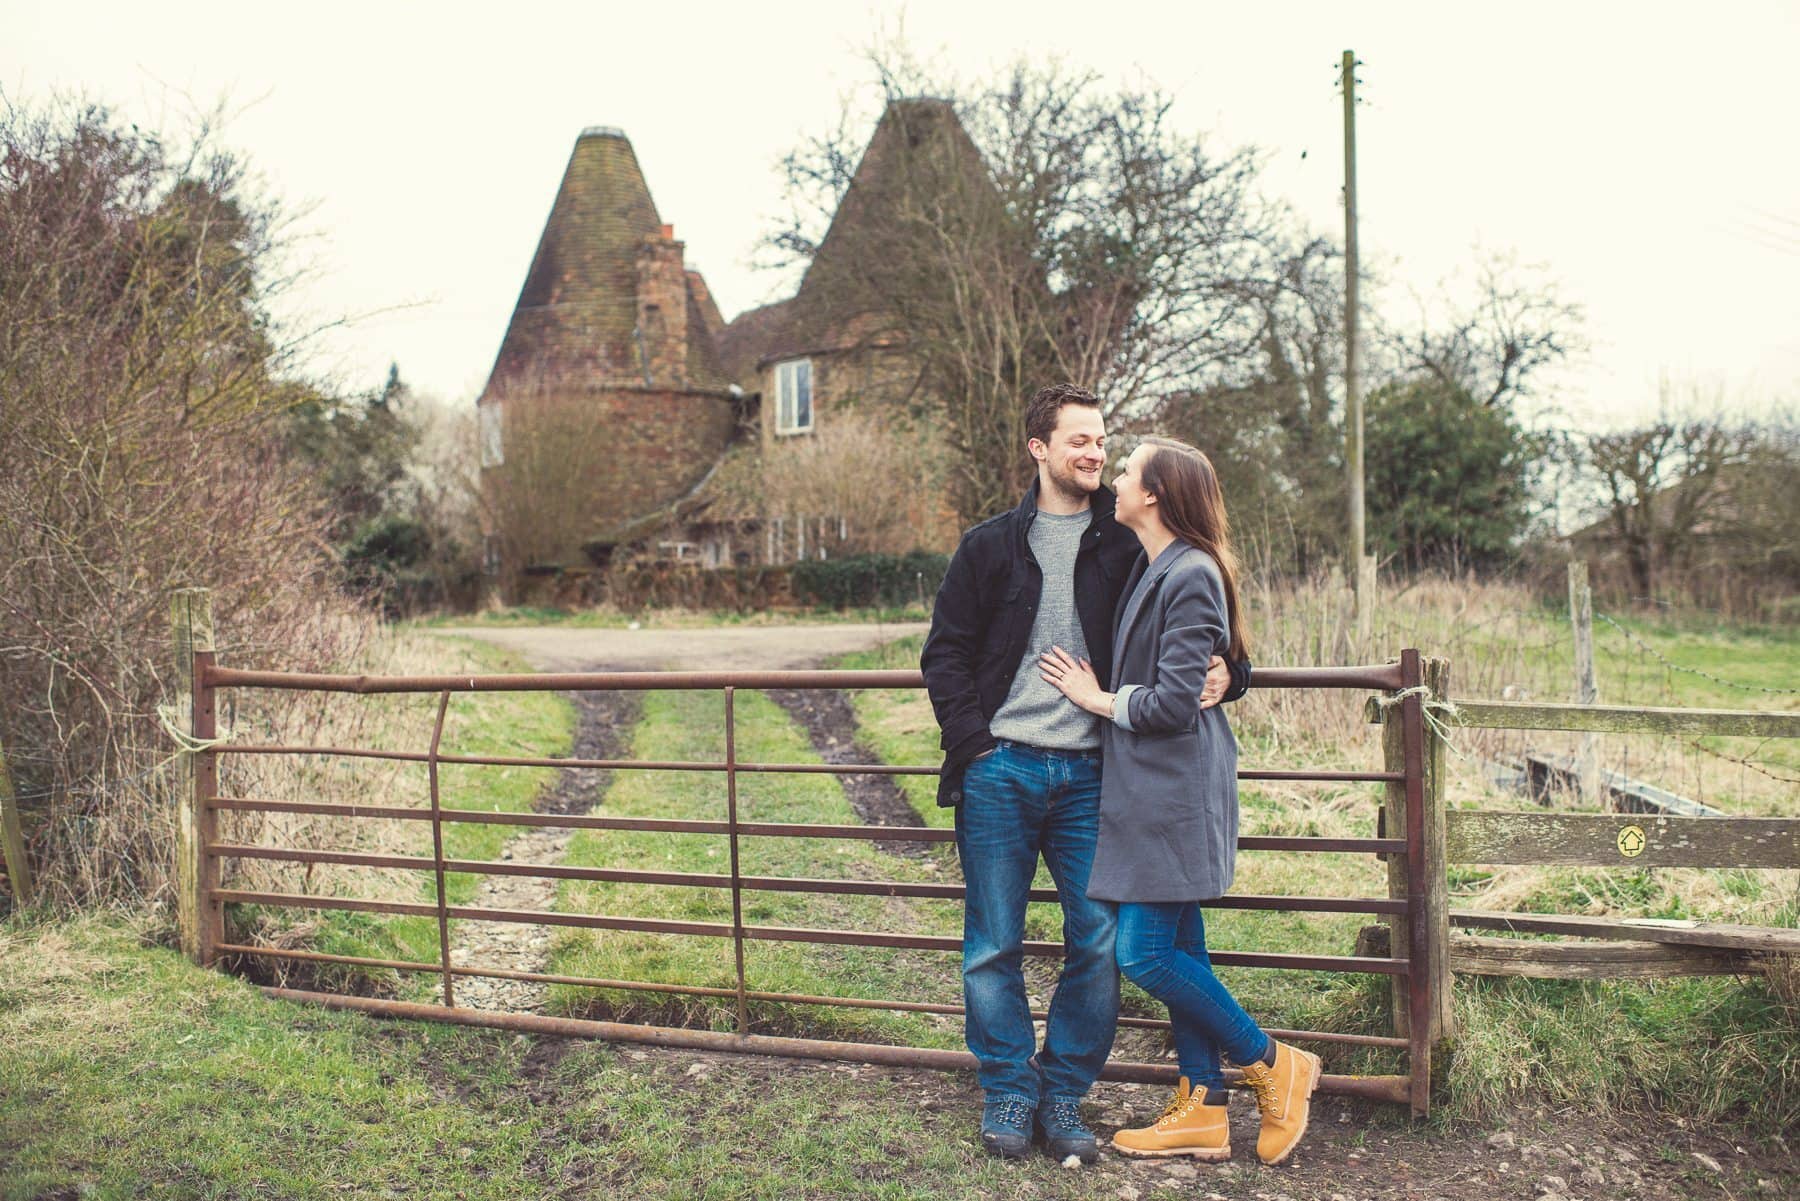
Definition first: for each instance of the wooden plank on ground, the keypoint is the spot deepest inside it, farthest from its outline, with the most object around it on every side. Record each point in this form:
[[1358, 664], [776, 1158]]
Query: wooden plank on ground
[[1622, 839], [1622, 719], [1473, 955], [1762, 939]]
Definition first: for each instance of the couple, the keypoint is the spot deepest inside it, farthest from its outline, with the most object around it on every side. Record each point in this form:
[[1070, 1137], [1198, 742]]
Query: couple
[[1085, 626]]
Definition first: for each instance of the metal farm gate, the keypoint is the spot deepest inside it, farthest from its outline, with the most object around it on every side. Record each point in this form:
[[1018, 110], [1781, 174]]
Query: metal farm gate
[[1403, 839]]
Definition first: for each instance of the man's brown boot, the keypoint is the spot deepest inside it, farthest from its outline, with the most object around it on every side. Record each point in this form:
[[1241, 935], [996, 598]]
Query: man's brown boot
[[1284, 1094], [1188, 1126]]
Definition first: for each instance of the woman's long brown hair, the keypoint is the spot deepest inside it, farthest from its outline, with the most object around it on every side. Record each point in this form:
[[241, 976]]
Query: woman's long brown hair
[[1187, 493]]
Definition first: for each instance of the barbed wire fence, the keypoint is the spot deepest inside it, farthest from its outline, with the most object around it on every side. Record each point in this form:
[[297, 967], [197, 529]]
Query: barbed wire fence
[[1671, 665]]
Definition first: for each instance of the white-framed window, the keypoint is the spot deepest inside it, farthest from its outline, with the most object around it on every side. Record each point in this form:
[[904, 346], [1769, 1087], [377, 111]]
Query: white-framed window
[[793, 396], [493, 451]]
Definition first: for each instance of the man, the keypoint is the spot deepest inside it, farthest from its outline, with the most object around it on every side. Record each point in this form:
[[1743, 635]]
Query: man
[[1022, 769]]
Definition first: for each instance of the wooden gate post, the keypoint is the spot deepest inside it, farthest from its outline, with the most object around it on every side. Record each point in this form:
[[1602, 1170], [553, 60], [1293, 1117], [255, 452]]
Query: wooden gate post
[[12, 837], [1433, 906], [199, 916]]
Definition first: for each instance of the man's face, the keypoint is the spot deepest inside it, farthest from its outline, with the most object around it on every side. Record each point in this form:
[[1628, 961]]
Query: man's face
[[1076, 452]]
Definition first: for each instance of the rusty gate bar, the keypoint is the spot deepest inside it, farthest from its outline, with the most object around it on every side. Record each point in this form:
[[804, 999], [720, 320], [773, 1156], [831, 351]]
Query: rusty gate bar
[[1374, 1088], [699, 990], [1386, 678], [437, 848], [1248, 842], [851, 938], [737, 880], [872, 888], [797, 769], [1393, 677]]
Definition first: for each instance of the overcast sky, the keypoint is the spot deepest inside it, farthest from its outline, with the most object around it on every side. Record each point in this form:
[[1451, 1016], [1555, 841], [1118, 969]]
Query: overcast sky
[[1643, 152]]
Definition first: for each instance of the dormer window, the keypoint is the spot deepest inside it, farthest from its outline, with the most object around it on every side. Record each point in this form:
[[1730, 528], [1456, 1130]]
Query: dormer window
[[793, 397]]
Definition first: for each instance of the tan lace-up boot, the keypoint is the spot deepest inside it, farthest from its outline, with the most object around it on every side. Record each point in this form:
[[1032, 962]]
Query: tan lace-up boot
[[1284, 1094], [1188, 1126]]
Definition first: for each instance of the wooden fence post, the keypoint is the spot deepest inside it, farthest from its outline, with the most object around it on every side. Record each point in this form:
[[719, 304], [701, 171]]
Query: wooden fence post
[[1365, 597], [1587, 690], [196, 779], [1434, 909], [12, 837]]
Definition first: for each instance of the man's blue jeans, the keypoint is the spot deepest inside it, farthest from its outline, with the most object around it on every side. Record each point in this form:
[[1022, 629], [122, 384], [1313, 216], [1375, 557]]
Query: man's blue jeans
[[1162, 950], [1020, 802]]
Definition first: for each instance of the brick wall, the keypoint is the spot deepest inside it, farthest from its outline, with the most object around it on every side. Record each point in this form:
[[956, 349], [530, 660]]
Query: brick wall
[[581, 464]]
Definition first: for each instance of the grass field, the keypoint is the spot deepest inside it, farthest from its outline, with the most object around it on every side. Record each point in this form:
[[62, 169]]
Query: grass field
[[689, 726], [127, 1071]]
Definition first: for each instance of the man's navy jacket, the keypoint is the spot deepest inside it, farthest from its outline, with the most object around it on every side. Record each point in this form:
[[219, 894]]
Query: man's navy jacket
[[981, 624]]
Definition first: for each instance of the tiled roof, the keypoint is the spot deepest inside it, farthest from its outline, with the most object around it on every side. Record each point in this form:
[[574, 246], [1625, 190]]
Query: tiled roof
[[840, 301], [577, 312], [754, 336]]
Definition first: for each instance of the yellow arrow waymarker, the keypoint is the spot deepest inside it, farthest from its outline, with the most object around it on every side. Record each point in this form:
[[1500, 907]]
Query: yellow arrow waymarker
[[1631, 841]]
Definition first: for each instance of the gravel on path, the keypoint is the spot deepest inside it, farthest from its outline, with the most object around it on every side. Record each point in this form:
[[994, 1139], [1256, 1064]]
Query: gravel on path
[[604, 721]]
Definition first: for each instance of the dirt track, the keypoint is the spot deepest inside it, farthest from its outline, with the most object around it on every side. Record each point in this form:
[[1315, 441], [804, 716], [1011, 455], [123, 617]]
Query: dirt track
[[743, 648]]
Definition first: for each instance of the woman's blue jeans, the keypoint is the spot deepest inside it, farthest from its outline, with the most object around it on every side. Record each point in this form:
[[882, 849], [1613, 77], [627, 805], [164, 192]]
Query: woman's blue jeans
[[1162, 949], [1020, 802]]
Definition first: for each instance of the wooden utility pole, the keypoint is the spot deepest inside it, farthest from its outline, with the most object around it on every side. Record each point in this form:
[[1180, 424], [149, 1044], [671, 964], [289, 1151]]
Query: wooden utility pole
[[1356, 563], [1587, 689]]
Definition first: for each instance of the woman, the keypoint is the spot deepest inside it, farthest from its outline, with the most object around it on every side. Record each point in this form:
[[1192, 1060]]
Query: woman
[[1168, 803]]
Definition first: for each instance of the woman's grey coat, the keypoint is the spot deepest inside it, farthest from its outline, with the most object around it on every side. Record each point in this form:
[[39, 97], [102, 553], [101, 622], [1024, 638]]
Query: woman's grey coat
[[1168, 789]]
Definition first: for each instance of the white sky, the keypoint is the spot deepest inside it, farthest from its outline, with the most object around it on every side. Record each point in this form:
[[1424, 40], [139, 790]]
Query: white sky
[[1642, 151]]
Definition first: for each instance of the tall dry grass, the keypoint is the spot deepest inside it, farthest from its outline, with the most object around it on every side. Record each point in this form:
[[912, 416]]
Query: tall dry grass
[[1492, 633], [392, 722]]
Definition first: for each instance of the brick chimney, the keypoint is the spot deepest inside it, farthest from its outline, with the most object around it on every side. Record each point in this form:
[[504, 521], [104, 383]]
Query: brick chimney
[[662, 309]]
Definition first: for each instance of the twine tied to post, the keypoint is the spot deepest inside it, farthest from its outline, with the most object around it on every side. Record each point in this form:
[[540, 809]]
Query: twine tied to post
[[190, 745], [1432, 708]]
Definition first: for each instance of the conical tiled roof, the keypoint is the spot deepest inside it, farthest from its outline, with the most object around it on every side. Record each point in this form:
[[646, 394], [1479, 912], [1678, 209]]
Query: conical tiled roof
[[577, 315], [919, 149], [916, 140]]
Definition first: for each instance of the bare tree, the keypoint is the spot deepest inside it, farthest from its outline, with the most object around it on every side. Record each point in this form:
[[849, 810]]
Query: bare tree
[[1270, 422], [143, 391], [846, 479], [1496, 348], [542, 499], [1663, 485], [1042, 229], [444, 484]]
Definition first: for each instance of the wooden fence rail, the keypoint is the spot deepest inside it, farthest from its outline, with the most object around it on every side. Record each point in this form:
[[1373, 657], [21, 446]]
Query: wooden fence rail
[[1628, 947]]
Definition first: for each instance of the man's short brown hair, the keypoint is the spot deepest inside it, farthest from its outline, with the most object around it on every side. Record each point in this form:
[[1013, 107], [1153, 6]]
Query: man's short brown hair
[[1041, 413]]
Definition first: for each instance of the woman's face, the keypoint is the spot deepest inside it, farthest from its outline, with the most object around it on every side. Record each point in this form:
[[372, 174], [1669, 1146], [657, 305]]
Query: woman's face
[[1135, 505]]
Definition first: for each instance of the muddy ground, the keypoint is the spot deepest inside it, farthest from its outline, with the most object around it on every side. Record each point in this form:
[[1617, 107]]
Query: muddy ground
[[1352, 1150]]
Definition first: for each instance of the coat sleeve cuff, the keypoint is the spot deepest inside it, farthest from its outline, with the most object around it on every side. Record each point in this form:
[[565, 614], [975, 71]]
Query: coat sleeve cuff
[[1121, 711], [967, 748], [1240, 680]]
